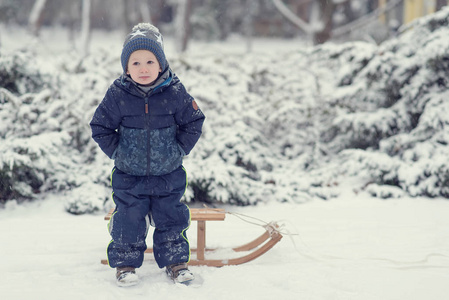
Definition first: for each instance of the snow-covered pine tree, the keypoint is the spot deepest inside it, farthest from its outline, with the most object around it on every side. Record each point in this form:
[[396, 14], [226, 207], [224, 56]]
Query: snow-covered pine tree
[[281, 126], [392, 103]]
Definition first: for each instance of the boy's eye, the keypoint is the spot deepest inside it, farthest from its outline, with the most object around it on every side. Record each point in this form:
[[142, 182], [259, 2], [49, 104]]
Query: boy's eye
[[135, 63], [150, 62]]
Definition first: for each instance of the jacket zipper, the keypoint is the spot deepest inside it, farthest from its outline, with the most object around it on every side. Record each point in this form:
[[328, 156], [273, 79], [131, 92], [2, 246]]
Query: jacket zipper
[[147, 127]]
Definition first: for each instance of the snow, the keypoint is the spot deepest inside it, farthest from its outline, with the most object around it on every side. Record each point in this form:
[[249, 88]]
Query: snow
[[353, 247], [287, 126]]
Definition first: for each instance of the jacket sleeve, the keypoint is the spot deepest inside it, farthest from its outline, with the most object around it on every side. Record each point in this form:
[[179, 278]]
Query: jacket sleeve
[[105, 122], [190, 121]]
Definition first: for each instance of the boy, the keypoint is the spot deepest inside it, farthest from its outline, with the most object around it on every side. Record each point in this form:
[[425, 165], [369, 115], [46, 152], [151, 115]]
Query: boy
[[146, 123]]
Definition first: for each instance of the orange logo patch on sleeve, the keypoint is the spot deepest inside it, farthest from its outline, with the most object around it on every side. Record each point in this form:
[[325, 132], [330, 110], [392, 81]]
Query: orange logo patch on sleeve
[[195, 106]]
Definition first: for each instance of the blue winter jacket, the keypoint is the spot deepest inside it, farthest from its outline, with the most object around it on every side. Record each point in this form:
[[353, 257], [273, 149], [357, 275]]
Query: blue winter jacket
[[147, 133]]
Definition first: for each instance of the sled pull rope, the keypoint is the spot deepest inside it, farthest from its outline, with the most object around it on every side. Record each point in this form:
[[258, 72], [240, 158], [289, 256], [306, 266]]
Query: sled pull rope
[[272, 227]]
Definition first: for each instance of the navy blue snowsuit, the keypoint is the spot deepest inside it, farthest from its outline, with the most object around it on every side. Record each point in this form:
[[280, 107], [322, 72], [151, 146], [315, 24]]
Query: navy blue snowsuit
[[147, 134]]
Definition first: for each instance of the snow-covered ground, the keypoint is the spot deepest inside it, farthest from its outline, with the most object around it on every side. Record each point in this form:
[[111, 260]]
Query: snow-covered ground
[[353, 247]]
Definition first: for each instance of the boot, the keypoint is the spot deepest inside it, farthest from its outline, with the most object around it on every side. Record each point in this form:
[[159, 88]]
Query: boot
[[126, 276], [179, 273]]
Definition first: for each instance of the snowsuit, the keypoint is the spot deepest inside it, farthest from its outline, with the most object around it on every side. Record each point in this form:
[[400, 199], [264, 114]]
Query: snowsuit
[[147, 134]]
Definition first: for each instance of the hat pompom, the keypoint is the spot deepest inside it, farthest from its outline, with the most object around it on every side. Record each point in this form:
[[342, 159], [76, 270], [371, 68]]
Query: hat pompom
[[144, 36], [145, 27]]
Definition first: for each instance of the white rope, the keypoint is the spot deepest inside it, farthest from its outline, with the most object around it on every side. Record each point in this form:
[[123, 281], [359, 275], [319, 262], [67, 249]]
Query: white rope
[[325, 258], [277, 227], [243, 216]]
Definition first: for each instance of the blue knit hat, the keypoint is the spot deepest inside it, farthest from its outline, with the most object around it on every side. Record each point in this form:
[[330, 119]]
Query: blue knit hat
[[144, 36]]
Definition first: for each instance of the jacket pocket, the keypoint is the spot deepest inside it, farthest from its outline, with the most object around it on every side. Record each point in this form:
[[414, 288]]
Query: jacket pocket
[[165, 155], [131, 154]]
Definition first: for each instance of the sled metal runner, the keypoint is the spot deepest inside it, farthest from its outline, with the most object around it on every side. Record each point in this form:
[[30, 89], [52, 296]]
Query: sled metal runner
[[256, 248]]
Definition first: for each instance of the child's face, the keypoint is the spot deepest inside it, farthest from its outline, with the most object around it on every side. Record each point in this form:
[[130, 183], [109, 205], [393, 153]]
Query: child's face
[[143, 67]]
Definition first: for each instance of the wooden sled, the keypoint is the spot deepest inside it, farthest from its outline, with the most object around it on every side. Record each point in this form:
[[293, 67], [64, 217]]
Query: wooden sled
[[259, 246]]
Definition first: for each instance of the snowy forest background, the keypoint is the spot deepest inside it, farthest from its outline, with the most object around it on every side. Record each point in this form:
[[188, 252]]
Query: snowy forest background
[[288, 125]]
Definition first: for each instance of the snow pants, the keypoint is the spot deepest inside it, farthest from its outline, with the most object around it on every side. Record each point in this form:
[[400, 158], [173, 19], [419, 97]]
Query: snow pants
[[141, 201]]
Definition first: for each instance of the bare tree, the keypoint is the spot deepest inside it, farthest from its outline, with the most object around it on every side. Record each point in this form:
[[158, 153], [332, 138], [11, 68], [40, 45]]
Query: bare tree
[[221, 8], [85, 27], [36, 16], [293, 18], [135, 11], [157, 8], [319, 26], [440, 4], [348, 12], [182, 23], [128, 23], [371, 5], [248, 21], [145, 11], [366, 19], [326, 11]]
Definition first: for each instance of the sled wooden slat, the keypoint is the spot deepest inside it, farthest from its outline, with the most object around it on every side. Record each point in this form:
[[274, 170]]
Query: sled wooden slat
[[260, 245], [197, 214]]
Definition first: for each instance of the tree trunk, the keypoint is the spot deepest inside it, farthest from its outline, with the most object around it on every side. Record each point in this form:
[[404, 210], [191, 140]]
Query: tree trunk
[[293, 18], [157, 8], [440, 4], [372, 5], [73, 16], [303, 9], [182, 22], [251, 8], [145, 11], [222, 16], [128, 23], [326, 8], [347, 10], [36, 15], [85, 27]]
